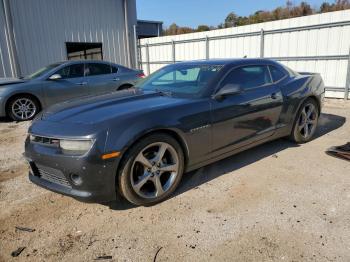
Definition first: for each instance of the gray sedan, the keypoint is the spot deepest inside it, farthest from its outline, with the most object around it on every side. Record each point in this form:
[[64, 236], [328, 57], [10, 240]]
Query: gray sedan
[[21, 99]]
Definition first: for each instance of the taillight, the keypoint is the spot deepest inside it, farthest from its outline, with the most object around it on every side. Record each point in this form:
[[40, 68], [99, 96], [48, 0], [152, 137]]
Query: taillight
[[141, 75]]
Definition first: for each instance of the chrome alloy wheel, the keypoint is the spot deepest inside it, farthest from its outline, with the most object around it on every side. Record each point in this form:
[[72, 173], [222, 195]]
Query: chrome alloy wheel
[[307, 121], [154, 170], [23, 108]]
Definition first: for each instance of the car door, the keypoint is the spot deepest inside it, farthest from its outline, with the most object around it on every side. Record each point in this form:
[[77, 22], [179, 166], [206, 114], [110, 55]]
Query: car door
[[250, 115], [71, 85], [100, 78]]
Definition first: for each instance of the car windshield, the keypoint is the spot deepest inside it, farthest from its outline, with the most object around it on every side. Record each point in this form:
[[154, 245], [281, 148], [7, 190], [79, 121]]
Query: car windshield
[[188, 80], [42, 71]]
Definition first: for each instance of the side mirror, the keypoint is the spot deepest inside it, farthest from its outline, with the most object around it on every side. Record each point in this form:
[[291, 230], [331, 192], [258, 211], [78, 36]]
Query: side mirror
[[229, 89], [55, 77]]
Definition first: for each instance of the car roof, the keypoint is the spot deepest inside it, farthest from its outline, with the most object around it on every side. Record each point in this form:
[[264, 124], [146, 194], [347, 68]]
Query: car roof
[[70, 62], [231, 61]]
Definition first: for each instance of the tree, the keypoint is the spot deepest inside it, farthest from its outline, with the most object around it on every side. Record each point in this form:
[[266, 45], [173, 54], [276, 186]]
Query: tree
[[305, 9], [184, 30], [242, 20], [287, 11], [342, 5], [202, 28], [325, 7], [277, 14], [231, 20], [289, 4], [338, 5], [172, 30]]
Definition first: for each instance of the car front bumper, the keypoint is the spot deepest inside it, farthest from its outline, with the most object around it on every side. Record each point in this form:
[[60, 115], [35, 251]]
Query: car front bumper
[[56, 172]]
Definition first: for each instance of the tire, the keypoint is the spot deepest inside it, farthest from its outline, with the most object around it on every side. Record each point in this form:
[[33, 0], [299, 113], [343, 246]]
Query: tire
[[306, 121], [23, 108], [143, 170]]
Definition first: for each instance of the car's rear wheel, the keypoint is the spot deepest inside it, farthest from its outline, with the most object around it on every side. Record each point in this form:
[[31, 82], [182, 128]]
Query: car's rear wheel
[[152, 170], [306, 122], [22, 108]]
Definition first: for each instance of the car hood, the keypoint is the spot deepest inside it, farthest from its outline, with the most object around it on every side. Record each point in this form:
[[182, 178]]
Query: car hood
[[10, 81], [96, 109]]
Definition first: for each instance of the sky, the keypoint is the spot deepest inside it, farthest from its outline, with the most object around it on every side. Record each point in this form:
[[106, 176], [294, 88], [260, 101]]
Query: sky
[[210, 12]]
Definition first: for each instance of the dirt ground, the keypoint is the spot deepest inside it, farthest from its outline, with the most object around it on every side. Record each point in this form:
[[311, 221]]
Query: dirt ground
[[276, 202]]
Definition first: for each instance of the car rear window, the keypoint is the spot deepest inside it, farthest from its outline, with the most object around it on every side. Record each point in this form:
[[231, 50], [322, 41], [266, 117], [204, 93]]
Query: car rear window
[[276, 73], [98, 69]]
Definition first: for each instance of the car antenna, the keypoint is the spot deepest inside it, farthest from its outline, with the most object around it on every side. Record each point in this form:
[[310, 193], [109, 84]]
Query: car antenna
[[245, 56]]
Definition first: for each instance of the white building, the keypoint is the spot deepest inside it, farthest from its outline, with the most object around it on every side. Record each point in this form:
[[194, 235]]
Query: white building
[[317, 43]]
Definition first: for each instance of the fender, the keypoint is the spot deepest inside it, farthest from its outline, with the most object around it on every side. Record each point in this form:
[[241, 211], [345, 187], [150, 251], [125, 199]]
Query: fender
[[122, 139], [21, 92]]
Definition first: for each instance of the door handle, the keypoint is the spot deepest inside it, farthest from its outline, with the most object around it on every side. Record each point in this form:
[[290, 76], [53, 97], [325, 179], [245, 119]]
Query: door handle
[[116, 79], [82, 84]]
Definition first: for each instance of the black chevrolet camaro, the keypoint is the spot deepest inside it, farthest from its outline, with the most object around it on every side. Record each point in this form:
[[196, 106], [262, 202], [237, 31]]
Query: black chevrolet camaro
[[140, 142]]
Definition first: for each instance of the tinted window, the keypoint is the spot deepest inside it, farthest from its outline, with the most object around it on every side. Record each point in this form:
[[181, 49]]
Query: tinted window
[[276, 73], [72, 71], [114, 69], [98, 69], [248, 77]]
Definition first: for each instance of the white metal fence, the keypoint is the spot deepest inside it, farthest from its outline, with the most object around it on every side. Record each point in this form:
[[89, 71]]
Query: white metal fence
[[317, 43]]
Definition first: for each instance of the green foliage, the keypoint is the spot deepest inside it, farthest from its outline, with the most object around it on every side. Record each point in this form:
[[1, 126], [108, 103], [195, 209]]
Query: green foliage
[[203, 28], [288, 11]]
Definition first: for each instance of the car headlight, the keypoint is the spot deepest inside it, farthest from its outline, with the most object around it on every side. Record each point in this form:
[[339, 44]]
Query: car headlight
[[76, 146]]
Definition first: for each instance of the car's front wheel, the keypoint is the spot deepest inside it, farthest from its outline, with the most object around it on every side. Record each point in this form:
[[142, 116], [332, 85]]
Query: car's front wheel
[[22, 108], [306, 122], [152, 170]]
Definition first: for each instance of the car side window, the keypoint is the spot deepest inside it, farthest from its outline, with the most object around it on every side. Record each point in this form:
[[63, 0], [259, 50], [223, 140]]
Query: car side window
[[94, 69], [72, 71], [248, 77], [276, 73], [114, 69]]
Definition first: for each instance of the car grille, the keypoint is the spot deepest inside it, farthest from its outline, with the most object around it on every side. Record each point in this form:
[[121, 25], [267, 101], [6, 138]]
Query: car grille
[[54, 178], [49, 174]]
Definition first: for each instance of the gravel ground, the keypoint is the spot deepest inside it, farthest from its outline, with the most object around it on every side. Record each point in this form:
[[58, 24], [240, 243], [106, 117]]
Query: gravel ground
[[276, 202]]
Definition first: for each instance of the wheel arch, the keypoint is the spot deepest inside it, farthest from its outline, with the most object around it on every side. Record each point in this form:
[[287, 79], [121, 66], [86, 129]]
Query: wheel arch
[[180, 139], [13, 96], [174, 134], [313, 97], [318, 102], [302, 101]]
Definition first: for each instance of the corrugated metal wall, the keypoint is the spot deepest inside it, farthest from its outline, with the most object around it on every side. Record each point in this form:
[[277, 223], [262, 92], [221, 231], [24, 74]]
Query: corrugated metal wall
[[42, 27], [328, 41], [5, 62]]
